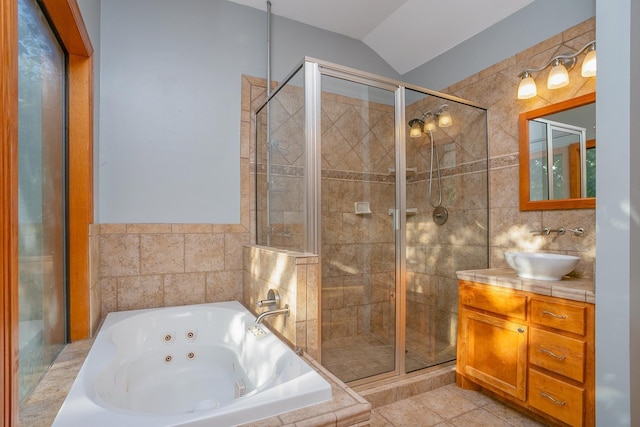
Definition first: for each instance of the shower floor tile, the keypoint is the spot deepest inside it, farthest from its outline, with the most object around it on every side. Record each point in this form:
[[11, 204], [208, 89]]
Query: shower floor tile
[[363, 356]]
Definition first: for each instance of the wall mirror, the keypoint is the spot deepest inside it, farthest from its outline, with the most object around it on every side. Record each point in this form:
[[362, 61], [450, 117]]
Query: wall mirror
[[562, 135]]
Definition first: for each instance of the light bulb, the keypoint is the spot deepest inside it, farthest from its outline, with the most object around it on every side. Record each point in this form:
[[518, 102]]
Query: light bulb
[[444, 119], [589, 64], [430, 125], [527, 88], [558, 76], [416, 128]]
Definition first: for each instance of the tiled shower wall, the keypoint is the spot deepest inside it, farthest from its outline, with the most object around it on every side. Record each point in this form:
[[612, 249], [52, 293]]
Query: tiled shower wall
[[358, 250], [286, 179], [435, 252], [358, 262]]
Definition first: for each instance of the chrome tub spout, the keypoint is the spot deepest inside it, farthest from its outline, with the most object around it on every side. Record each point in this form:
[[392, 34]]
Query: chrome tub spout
[[284, 311]]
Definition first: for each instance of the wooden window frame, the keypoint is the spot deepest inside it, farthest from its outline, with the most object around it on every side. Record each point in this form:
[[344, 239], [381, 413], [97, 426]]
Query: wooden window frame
[[67, 20]]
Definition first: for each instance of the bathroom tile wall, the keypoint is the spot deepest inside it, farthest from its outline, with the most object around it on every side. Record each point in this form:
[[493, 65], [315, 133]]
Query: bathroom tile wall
[[295, 276], [495, 88], [161, 265]]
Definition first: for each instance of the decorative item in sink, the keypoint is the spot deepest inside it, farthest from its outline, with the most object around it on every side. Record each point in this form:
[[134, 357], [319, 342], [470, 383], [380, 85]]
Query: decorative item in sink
[[541, 266]]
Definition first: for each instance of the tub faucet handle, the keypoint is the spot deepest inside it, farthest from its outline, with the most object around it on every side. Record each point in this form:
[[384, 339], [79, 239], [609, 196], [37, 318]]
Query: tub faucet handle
[[273, 299]]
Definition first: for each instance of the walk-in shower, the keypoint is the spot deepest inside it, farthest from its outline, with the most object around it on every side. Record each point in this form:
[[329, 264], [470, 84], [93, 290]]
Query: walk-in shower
[[338, 175]]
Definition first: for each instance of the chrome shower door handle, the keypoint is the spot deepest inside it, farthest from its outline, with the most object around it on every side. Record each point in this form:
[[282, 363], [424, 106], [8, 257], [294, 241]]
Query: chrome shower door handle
[[395, 218]]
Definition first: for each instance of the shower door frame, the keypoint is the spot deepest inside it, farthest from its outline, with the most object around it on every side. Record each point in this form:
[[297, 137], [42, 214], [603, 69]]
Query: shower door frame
[[313, 71], [399, 212]]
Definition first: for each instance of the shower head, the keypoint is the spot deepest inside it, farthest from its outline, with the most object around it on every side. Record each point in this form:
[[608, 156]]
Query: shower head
[[441, 116]]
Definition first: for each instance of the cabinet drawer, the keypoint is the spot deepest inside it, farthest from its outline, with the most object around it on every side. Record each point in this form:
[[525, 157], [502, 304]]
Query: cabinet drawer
[[556, 398], [559, 315], [557, 353], [496, 301]]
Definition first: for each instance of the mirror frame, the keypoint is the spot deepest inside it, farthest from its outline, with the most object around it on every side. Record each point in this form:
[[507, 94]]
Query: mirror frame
[[523, 129]]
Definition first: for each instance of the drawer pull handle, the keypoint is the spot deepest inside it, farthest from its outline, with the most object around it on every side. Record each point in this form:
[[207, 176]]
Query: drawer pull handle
[[551, 398], [552, 354], [557, 316], [521, 330]]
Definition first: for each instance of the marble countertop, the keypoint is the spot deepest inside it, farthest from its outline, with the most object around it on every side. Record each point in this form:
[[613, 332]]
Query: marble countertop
[[571, 288]]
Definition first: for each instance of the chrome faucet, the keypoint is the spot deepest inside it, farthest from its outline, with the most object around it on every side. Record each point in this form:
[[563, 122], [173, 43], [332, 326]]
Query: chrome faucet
[[271, 303], [284, 311], [561, 230]]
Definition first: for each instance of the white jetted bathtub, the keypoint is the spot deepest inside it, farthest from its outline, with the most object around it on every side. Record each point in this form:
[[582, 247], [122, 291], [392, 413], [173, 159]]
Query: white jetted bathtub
[[198, 365]]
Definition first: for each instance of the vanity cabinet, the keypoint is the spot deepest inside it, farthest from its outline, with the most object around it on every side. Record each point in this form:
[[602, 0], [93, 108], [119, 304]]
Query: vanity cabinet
[[535, 351]]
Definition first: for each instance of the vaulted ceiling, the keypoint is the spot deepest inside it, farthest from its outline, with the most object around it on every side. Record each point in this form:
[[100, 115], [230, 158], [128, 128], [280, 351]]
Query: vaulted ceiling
[[405, 33]]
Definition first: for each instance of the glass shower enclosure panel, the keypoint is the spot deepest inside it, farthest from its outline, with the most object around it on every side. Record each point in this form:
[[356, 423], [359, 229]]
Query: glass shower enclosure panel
[[447, 220], [358, 244], [392, 210], [280, 174]]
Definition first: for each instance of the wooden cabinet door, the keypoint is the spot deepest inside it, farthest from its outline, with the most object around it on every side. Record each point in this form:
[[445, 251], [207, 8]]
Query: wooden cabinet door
[[494, 352]]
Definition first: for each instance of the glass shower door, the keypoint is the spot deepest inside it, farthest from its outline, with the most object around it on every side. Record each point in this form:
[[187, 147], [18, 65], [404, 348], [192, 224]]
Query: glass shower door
[[358, 242], [447, 229]]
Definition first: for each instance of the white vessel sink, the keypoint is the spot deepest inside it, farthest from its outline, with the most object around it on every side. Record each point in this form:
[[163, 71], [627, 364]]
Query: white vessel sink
[[541, 266]]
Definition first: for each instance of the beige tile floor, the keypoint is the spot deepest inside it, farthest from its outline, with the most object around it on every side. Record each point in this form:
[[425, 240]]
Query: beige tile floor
[[449, 406]]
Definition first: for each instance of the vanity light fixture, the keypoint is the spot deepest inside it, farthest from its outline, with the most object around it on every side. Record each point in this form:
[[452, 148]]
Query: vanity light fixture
[[558, 76], [427, 122]]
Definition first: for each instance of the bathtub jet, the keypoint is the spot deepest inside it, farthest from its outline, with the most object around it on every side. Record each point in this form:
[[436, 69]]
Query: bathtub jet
[[188, 366]]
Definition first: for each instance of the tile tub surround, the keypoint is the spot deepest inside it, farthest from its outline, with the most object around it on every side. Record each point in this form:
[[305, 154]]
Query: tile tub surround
[[346, 408], [295, 276], [571, 288], [495, 88], [162, 265]]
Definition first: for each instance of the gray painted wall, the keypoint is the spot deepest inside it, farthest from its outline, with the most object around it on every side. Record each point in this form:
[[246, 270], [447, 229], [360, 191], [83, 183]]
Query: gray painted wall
[[170, 102], [618, 214], [532, 24]]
